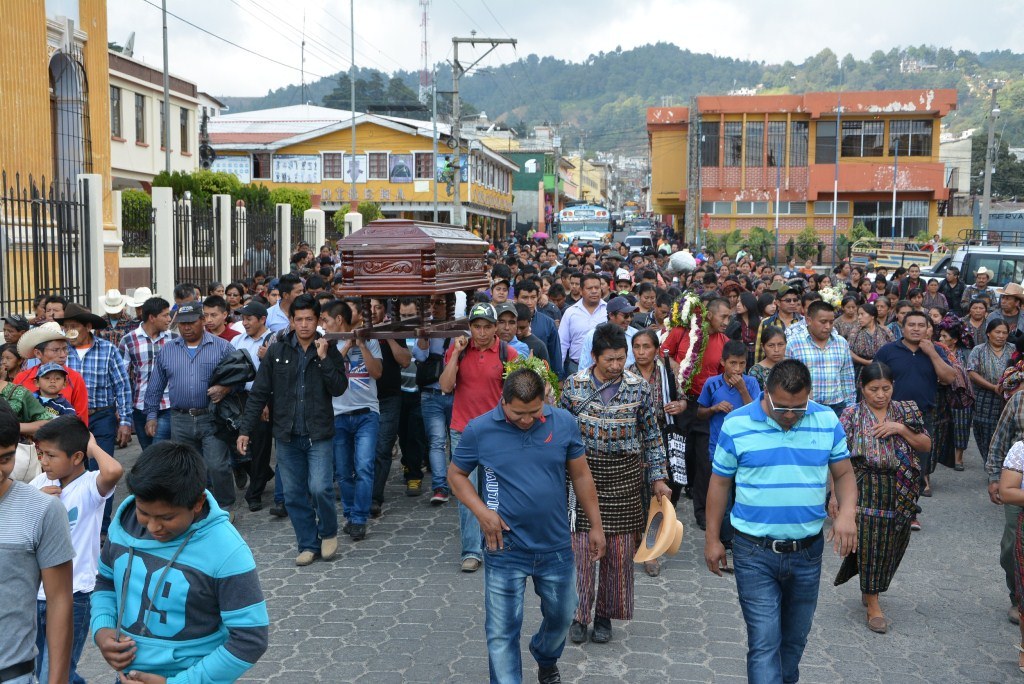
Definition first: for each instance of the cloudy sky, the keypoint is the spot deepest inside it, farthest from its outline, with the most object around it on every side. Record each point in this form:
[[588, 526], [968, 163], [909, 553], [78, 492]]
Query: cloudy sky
[[388, 33]]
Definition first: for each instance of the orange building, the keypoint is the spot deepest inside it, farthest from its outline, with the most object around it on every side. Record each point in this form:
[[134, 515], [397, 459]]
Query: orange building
[[765, 155]]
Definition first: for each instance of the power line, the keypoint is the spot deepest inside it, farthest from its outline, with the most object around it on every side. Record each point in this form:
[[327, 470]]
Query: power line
[[277, 29]]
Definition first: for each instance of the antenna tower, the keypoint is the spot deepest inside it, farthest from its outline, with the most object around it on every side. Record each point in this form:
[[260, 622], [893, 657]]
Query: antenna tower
[[424, 55], [302, 59]]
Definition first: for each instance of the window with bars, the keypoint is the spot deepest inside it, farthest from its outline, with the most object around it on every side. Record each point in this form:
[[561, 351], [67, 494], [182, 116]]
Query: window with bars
[[140, 118], [115, 112], [825, 142], [776, 143], [424, 162], [183, 125], [911, 218], [755, 144], [709, 132], [863, 138], [733, 143], [798, 143], [261, 165], [910, 138], [378, 163]]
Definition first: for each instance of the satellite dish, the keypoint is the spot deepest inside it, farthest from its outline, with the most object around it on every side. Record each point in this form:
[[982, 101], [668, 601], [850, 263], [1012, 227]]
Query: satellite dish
[[129, 45]]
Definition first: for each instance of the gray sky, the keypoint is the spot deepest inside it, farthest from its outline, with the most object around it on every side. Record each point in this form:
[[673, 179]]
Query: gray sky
[[388, 33]]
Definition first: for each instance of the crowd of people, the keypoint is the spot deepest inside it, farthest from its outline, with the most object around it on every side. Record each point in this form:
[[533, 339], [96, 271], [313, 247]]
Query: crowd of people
[[590, 386]]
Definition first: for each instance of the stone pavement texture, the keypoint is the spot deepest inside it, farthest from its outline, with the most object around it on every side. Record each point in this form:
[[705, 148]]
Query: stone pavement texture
[[395, 608]]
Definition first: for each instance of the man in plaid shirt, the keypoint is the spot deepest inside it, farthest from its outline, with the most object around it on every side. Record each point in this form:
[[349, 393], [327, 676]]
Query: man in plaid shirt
[[139, 349], [827, 355]]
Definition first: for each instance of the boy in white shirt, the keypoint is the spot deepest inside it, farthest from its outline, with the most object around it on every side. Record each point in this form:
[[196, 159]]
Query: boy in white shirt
[[63, 445]]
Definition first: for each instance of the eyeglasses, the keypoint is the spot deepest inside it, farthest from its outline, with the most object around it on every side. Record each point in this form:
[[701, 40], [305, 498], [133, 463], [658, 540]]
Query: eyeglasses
[[798, 410], [789, 300]]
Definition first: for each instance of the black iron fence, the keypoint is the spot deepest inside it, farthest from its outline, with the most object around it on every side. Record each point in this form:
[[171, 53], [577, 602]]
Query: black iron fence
[[196, 244], [44, 242], [304, 230], [254, 240]]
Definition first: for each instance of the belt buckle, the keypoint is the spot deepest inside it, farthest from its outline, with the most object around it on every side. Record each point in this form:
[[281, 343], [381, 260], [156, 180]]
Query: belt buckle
[[789, 547]]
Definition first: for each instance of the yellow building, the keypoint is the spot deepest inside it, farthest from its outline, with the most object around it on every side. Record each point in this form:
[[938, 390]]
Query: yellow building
[[591, 180], [310, 148]]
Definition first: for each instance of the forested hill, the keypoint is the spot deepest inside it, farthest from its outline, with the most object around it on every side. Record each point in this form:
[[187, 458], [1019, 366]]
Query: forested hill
[[604, 98]]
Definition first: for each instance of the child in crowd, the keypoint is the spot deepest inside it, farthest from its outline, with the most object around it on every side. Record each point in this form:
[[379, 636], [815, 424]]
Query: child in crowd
[[201, 616], [10, 362], [720, 395], [51, 380], [63, 445]]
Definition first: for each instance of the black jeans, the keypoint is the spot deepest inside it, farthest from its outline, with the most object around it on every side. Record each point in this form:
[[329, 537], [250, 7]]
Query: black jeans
[[412, 436], [390, 414], [698, 465], [260, 473]]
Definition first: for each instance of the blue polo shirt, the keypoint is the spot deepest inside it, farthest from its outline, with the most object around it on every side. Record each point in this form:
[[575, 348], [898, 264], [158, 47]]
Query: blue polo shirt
[[716, 390], [523, 474], [780, 475], [913, 375]]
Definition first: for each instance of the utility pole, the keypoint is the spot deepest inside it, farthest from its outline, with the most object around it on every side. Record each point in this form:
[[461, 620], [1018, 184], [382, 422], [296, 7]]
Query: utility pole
[[458, 71], [167, 98], [895, 171], [433, 119], [986, 197]]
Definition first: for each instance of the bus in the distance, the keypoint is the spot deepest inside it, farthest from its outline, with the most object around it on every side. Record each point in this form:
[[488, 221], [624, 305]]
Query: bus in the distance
[[593, 220]]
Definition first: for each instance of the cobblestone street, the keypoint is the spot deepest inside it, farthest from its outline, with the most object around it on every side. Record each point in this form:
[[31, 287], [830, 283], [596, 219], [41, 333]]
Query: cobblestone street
[[395, 608]]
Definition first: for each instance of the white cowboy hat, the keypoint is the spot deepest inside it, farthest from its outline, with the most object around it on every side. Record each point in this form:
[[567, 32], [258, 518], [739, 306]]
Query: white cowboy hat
[[47, 332], [984, 271], [140, 296], [114, 302]]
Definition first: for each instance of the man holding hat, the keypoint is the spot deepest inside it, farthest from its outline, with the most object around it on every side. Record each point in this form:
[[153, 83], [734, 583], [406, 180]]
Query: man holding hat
[[620, 312], [49, 344], [979, 290], [119, 323], [15, 325], [106, 377], [255, 342], [1009, 308]]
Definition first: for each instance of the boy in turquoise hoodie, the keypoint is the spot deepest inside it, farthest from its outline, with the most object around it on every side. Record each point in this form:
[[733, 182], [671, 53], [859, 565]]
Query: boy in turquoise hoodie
[[177, 597]]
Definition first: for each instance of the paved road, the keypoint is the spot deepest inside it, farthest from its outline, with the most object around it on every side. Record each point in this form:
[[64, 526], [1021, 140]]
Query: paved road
[[395, 608]]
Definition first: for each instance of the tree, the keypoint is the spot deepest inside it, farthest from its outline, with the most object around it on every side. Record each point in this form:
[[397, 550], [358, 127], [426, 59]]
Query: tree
[[761, 243], [807, 243], [299, 199], [370, 211]]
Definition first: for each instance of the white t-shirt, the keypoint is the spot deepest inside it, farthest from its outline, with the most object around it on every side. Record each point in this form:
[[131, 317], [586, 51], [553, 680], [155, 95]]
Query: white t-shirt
[[84, 505]]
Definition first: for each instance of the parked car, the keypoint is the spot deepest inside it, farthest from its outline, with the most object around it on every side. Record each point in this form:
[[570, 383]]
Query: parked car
[[638, 244]]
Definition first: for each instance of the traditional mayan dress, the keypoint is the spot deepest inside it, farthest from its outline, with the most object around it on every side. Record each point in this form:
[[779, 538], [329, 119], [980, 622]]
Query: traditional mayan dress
[[625, 454], [962, 417], [987, 405], [888, 474]]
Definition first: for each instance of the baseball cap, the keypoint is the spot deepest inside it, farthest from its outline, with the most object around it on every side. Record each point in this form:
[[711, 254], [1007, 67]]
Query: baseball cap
[[188, 313], [505, 307], [623, 274], [620, 305], [484, 311], [253, 309], [51, 368], [17, 321], [502, 281]]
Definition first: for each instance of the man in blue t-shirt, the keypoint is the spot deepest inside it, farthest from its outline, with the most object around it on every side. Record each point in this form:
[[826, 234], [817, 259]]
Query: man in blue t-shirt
[[524, 519]]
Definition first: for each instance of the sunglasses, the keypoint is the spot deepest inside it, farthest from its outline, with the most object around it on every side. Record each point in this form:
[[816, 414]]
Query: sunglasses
[[798, 410]]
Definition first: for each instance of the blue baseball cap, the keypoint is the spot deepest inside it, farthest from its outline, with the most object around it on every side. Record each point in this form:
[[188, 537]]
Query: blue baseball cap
[[51, 367]]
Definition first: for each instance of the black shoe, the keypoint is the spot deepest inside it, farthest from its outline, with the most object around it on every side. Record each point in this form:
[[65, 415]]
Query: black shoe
[[577, 632], [241, 478], [278, 510], [357, 532], [255, 506], [549, 675], [375, 510], [702, 524], [347, 529], [602, 633]]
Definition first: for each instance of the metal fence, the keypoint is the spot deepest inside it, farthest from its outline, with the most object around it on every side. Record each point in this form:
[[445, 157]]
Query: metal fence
[[44, 242], [304, 230], [254, 241], [196, 244]]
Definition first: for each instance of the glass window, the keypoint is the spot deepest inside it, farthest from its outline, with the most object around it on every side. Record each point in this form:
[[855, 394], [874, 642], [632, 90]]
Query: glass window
[[334, 165], [825, 142], [776, 143], [115, 112], [792, 207], [910, 138], [378, 163], [261, 165], [755, 143], [751, 207], [716, 207], [733, 143], [863, 138], [709, 132], [825, 208], [183, 124], [798, 143], [424, 162], [140, 118]]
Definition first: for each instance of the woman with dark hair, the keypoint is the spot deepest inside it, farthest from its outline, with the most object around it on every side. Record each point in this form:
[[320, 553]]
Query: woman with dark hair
[[883, 310], [869, 336], [985, 366], [847, 323], [773, 345], [884, 437], [977, 314], [958, 342], [766, 305], [744, 324], [234, 295], [864, 290], [879, 289]]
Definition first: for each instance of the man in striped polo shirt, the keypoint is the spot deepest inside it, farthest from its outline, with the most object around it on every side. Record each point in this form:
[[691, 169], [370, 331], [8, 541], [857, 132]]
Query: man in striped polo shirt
[[780, 451]]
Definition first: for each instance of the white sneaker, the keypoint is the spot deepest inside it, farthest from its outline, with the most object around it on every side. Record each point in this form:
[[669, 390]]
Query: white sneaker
[[328, 547]]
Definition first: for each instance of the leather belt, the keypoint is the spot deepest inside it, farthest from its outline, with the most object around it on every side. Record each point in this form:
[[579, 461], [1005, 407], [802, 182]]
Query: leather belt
[[92, 412], [357, 412], [14, 671], [779, 545], [192, 412], [431, 390]]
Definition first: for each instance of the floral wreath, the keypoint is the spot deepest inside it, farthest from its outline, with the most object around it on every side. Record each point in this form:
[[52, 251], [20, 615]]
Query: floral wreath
[[689, 312], [538, 366], [833, 296]]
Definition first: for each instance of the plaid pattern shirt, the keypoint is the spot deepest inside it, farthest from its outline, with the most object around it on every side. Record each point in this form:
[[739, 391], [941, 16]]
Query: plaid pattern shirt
[[106, 378], [117, 327], [1009, 430], [831, 368], [139, 353]]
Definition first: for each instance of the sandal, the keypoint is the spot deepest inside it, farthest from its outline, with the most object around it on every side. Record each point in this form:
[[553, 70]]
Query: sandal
[[878, 624], [958, 467], [652, 568]]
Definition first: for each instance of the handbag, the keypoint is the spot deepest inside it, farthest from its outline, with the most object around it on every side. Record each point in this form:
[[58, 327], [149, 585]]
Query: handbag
[[26, 463]]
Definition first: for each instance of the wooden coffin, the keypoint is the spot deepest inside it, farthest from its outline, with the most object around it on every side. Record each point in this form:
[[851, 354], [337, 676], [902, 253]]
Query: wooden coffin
[[406, 258]]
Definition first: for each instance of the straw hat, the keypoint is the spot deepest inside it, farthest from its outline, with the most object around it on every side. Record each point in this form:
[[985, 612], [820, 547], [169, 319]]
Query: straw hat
[[1014, 290], [47, 332], [140, 296], [664, 532], [114, 302]]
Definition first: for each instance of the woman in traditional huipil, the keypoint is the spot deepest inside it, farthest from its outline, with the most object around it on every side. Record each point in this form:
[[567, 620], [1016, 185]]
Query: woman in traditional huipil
[[625, 453], [884, 437]]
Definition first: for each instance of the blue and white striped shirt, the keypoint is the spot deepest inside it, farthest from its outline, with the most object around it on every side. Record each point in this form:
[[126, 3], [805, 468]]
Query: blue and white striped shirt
[[780, 474], [186, 377]]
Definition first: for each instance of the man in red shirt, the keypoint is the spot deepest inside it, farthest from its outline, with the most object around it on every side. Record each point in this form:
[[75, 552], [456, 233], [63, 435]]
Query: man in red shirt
[[215, 308], [49, 344], [698, 465], [473, 371]]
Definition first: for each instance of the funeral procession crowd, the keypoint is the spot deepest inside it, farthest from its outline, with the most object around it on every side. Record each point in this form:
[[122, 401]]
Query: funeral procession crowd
[[800, 411]]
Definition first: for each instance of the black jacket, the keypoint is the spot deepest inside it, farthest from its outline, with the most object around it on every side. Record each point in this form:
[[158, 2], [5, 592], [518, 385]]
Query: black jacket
[[234, 370], [276, 384]]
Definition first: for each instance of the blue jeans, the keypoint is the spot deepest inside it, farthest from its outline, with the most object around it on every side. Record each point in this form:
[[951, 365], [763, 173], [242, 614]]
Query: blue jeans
[[778, 593], [163, 427], [306, 468], [201, 433], [79, 634], [387, 432], [437, 416], [554, 581], [103, 426], [355, 440], [469, 526]]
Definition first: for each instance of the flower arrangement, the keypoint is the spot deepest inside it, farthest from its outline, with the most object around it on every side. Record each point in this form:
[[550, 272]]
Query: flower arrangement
[[833, 295], [538, 366], [691, 313]]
